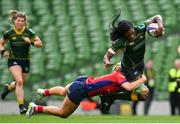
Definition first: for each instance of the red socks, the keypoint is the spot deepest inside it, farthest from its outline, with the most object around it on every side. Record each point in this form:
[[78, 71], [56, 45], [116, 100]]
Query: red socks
[[46, 92], [39, 108]]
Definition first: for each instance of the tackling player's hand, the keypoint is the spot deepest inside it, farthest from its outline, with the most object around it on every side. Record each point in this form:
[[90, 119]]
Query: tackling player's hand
[[144, 92]]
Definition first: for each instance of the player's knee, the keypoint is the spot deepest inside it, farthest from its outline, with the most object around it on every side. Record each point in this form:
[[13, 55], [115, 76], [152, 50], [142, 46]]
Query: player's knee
[[19, 82], [62, 115]]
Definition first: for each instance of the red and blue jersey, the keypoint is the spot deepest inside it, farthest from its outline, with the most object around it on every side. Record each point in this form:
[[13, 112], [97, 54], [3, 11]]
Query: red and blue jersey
[[107, 84]]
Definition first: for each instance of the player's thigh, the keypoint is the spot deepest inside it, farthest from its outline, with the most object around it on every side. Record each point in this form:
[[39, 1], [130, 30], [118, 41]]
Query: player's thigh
[[68, 107], [16, 72]]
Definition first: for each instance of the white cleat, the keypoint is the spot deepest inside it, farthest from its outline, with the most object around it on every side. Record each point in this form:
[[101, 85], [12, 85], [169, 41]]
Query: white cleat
[[40, 93], [30, 110]]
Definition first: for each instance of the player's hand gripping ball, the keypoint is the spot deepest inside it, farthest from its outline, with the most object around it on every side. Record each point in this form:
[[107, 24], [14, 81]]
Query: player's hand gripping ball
[[154, 30]]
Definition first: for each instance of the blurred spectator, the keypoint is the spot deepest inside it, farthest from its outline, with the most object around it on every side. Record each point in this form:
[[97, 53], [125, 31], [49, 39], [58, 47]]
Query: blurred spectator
[[174, 87], [150, 74], [179, 49]]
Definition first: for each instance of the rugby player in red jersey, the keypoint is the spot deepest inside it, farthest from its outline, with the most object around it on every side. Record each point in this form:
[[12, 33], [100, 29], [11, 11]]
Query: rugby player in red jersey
[[84, 87]]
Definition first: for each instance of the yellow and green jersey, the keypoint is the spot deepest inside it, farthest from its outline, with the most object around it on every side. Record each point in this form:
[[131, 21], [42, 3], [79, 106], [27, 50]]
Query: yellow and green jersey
[[133, 51], [15, 40]]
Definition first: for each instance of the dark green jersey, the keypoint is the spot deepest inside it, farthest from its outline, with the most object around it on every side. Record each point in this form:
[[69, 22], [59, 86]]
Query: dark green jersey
[[133, 51], [18, 47]]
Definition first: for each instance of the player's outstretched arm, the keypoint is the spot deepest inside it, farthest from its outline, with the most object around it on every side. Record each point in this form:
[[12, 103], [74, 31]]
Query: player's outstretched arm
[[133, 85]]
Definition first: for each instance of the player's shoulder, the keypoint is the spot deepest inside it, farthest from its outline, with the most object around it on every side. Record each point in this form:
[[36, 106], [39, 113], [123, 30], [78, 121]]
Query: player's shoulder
[[8, 33], [141, 25], [30, 30], [120, 42]]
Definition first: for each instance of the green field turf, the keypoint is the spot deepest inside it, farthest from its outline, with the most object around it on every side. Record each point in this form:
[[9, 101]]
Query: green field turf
[[89, 119]]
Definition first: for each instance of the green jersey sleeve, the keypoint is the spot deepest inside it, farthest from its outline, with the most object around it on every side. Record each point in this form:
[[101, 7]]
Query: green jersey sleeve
[[118, 44], [31, 33], [6, 36]]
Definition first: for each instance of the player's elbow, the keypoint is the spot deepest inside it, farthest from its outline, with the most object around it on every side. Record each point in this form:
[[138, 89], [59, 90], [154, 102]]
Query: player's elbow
[[63, 114], [158, 17]]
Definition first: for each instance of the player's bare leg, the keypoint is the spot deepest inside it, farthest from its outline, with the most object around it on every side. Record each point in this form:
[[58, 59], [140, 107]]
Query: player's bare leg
[[63, 111], [16, 72], [58, 90]]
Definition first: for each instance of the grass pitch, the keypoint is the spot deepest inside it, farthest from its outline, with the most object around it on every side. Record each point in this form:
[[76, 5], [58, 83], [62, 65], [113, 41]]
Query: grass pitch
[[89, 119]]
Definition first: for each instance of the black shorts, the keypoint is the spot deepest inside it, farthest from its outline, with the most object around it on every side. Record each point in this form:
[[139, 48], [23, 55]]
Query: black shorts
[[77, 90], [131, 74], [24, 64]]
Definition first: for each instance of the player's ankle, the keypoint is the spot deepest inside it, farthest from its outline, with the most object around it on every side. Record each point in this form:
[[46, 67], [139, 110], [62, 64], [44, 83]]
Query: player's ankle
[[46, 92]]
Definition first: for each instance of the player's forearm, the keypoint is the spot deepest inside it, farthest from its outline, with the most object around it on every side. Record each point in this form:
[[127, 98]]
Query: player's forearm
[[107, 57], [133, 85], [1, 45], [37, 42]]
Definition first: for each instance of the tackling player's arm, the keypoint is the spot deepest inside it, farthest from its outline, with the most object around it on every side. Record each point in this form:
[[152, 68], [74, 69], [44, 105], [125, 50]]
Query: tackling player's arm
[[133, 85]]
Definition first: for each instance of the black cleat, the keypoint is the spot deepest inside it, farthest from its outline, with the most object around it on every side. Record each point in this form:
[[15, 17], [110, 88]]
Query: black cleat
[[106, 103], [5, 91], [22, 109]]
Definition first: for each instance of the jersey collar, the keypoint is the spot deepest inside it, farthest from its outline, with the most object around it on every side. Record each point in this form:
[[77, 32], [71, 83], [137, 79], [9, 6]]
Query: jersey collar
[[17, 31]]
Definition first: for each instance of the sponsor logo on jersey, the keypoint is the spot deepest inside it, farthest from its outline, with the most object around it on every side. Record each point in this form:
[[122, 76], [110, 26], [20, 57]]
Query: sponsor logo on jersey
[[14, 63], [14, 38]]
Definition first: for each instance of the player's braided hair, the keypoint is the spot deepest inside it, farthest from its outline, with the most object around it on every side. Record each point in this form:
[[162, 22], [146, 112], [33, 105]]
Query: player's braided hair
[[122, 27]]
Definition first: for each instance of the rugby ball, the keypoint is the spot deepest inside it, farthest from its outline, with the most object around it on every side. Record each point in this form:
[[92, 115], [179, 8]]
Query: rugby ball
[[151, 29]]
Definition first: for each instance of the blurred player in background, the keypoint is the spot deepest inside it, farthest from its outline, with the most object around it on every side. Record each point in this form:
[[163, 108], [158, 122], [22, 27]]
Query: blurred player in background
[[130, 40], [174, 87], [81, 88], [19, 38], [179, 49], [150, 74]]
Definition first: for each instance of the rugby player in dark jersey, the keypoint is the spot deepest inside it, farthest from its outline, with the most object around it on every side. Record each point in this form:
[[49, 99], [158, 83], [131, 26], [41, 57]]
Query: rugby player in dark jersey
[[19, 38], [130, 40]]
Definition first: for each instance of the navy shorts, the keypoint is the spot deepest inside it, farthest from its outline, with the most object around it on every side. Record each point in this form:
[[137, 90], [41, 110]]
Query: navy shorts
[[24, 64], [131, 74], [77, 90]]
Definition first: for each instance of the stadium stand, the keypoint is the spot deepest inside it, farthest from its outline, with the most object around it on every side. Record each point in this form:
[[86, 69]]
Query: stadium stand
[[75, 37]]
